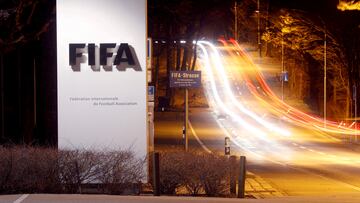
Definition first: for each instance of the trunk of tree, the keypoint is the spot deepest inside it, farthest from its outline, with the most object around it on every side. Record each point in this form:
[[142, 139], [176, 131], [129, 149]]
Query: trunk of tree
[[2, 96], [34, 129], [19, 95], [347, 103], [178, 55], [185, 57], [156, 74], [78, 179], [267, 44], [169, 63], [194, 57]]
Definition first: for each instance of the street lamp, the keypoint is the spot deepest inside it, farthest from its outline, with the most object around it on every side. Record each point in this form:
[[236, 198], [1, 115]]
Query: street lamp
[[258, 27], [355, 110], [325, 80]]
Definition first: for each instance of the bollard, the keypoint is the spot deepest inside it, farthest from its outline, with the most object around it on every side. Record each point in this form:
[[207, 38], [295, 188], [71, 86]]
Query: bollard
[[242, 176], [233, 166], [227, 146], [156, 174]]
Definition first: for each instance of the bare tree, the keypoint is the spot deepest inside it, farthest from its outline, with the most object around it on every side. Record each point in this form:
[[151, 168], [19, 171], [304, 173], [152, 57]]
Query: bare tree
[[77, 167], [305, 38]]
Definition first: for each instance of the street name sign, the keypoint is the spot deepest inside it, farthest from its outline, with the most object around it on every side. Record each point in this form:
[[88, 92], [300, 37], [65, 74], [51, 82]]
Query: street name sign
[[185, 79]]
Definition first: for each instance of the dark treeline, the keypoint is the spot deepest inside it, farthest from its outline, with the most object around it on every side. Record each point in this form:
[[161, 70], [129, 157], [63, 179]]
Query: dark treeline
[[28, 103]]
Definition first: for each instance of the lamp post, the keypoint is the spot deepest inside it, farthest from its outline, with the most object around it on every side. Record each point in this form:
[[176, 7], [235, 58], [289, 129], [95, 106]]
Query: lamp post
[[258, 27], [325, 80], [282, 65], [355, 110]]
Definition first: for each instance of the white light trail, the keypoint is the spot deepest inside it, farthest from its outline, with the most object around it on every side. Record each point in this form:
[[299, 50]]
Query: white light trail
[[218, 100], [220, 68]]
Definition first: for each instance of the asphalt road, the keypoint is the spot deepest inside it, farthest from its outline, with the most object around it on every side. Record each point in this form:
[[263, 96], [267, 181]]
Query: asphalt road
[[295, 172], [293, 151], [41, 198]]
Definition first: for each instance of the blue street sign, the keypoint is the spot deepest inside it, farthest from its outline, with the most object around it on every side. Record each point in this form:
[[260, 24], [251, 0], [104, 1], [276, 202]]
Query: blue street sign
[[151, 93], [185, 79]]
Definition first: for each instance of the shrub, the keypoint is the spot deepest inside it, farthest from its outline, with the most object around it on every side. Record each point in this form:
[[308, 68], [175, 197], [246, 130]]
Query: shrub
[[119, 170], [171, 168], [76, 167], [216, 175], [198, 172], [28, 170], [44, 170]]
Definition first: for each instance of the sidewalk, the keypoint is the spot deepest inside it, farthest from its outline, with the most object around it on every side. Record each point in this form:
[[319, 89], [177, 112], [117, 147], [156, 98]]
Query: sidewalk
[[47, 198], [257, 187]]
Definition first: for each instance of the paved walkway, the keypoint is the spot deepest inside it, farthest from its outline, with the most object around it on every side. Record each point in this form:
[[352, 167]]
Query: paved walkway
[[257, 187]]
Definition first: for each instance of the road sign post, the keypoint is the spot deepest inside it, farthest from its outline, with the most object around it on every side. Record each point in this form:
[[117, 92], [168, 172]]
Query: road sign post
[[185, 79], [186, 117]]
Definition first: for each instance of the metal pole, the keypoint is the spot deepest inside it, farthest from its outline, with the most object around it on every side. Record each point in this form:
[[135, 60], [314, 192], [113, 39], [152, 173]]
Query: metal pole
[[233, 175], [156, 174], [259, 37], [242, 176], [325, 80], [282, 66], [355, 109], [186, 119], [235, 29]]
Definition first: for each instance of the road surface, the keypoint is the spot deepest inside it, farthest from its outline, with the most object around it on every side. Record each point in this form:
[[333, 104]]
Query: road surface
[[55, 198], [294, 152]]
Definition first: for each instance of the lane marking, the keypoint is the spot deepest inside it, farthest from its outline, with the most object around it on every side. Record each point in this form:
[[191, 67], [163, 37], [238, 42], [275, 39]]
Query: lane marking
[[287, 165], [197, 138], [21, 198], [233, 140], [325, 154]]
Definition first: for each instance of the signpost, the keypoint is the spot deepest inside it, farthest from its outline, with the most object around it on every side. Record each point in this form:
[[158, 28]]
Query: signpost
[[185, 79]]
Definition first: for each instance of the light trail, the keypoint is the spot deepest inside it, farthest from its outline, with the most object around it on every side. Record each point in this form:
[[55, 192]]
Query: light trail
[[218, 100], [220, 69], [218, 72], [235, 86], [281, 108]]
